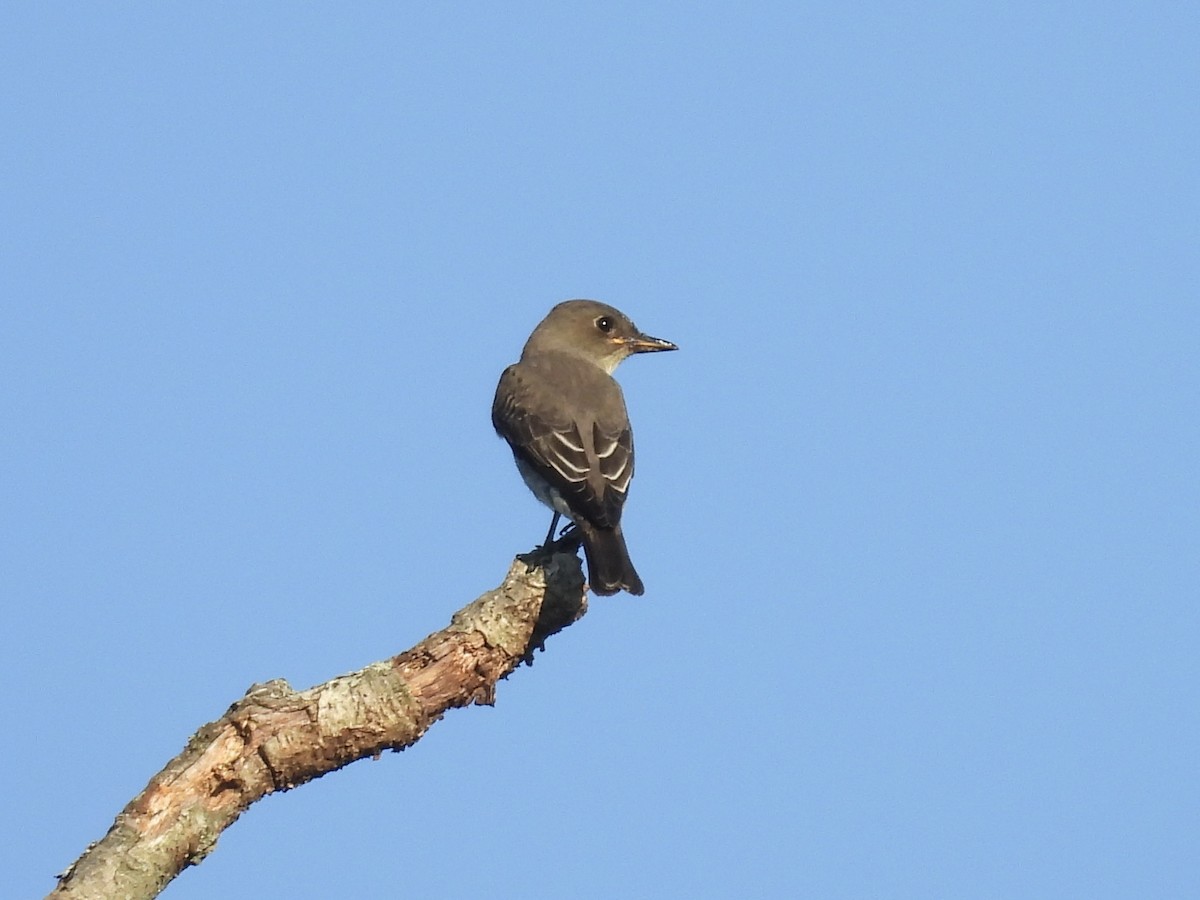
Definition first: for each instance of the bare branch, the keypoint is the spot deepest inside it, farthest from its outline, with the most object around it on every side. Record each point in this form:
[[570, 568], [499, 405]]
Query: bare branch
[[276, 738]]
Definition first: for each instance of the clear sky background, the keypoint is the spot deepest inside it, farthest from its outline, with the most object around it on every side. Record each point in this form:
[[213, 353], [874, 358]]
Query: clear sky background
[[917, 505]]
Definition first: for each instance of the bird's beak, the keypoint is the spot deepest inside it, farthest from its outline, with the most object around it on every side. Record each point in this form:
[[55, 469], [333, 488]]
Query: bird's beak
[[643, 343]]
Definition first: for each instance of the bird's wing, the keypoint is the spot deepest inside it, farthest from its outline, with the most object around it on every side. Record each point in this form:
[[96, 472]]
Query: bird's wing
[[588, 463], [614, 457]]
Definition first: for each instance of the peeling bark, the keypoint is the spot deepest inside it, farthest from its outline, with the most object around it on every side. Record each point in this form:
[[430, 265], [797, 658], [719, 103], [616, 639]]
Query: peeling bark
[[276, 738]]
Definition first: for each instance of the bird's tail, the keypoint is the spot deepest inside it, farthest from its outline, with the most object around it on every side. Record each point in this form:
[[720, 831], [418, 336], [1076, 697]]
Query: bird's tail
[[609, 566]]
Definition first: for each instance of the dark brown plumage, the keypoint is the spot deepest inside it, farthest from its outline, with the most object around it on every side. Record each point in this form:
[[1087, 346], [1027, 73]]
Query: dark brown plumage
[[563, 415]]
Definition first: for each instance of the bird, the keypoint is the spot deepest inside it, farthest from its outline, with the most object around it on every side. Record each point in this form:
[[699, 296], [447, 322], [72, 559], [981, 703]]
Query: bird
[[563, 415]]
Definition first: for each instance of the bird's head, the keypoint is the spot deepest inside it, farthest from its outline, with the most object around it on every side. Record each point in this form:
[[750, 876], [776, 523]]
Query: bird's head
[[595, 331]]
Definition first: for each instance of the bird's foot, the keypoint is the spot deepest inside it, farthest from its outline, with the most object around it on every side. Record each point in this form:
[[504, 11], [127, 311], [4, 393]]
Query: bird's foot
[[568, 540]]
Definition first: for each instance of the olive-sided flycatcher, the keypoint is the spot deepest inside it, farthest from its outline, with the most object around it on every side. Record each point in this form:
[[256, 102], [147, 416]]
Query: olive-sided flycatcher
[[564, 416]]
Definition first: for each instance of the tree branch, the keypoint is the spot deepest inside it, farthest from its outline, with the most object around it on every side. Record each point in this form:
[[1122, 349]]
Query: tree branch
[[276, 738]]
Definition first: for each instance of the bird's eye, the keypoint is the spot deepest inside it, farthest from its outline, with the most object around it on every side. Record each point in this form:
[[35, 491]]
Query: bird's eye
[[605, 324]]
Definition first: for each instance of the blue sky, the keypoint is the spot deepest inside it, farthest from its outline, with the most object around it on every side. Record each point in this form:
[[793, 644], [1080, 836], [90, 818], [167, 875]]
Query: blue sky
[[917, 503]]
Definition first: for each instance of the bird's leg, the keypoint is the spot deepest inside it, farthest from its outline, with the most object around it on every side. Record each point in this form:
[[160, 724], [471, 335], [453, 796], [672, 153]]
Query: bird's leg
[[550, 533], [569, 539]]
